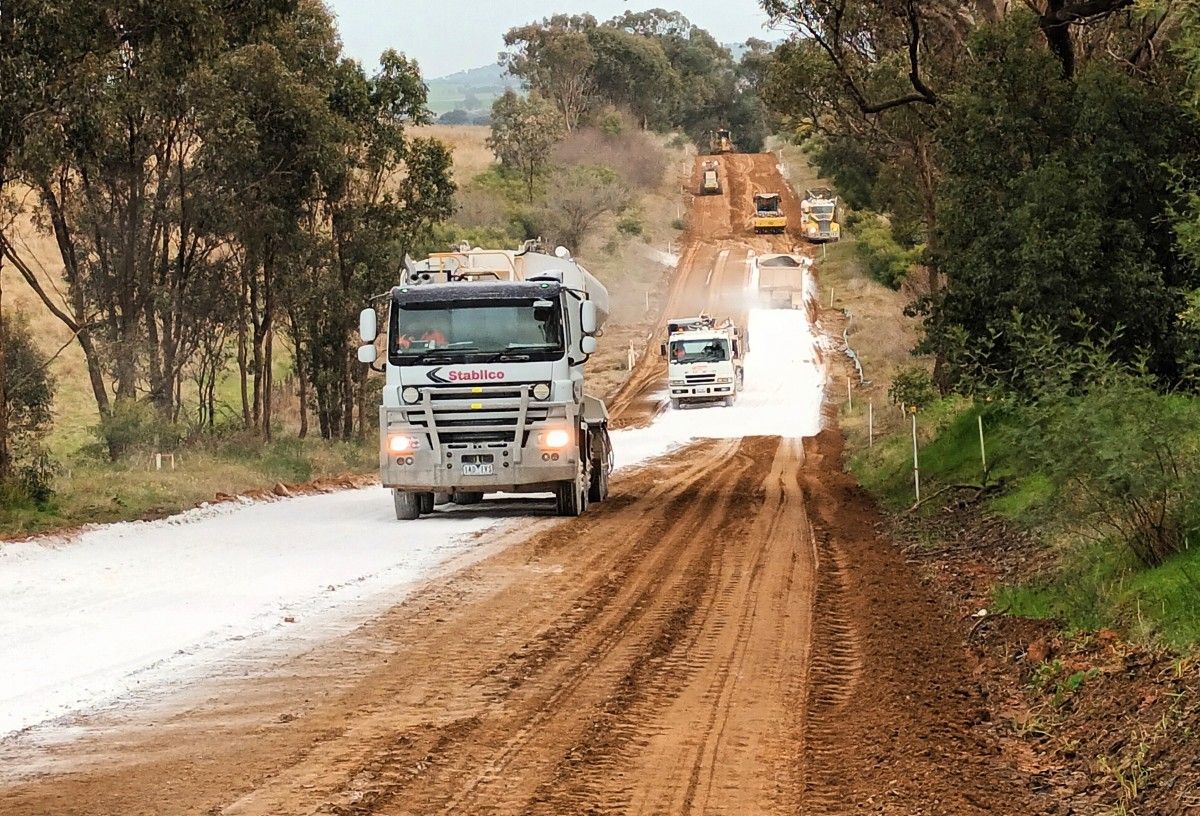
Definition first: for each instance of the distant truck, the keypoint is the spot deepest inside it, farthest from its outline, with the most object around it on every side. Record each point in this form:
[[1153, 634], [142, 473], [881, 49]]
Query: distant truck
[[704, 361], [768, 213], [484, 389], [721, 141], [781, 279], [818, 216], [710, 180]]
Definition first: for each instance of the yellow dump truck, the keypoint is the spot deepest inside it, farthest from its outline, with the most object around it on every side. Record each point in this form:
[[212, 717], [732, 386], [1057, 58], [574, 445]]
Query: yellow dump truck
[[768, 213], [722, 142]]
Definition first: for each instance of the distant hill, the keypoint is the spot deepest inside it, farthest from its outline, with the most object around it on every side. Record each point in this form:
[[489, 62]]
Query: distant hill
[[473, 90]]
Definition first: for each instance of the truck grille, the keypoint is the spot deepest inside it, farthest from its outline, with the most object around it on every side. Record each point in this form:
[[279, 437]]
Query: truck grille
[[701, 379], [465, 414]]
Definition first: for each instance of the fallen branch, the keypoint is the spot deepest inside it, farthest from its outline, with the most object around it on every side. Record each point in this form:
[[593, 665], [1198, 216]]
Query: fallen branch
[[979, 490]]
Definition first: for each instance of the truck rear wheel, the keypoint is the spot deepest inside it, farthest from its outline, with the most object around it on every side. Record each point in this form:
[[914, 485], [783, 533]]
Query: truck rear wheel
[[408, 505]]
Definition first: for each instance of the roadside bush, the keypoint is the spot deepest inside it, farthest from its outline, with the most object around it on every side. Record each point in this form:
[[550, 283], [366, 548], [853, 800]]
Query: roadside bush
[[630, 224], [888, 261], [133, 426], [1122, 456], [913, 388]]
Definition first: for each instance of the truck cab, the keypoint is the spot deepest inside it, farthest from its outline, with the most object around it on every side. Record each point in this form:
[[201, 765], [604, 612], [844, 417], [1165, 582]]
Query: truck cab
[[484, 380], [818, 219], [704, 361]]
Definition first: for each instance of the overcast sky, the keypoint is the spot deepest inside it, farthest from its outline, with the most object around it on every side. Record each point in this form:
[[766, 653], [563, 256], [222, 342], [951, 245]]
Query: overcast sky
[[451, 35]]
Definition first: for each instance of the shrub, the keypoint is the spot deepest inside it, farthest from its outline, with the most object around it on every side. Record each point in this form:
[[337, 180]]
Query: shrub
[[913, 388], [631, 224], [1124, 458], [133, 425], [886, 259]]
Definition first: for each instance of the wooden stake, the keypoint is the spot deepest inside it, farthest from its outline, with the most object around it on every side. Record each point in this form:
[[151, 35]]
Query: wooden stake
[[916, 460], [982, 448], [871, 424]]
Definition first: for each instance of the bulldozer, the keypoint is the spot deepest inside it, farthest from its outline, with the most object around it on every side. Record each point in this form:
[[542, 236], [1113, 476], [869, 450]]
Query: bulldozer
[[768, 213], [721, 141], [818, 219]]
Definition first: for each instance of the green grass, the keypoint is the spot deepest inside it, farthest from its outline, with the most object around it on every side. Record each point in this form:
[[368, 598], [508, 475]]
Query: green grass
[[88, 491], [1095, 582], [1099, 585]]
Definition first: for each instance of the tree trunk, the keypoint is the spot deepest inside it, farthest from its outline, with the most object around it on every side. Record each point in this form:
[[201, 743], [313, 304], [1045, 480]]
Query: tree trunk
[[302, 382], [5, 456], [268, 385], [243, 358]]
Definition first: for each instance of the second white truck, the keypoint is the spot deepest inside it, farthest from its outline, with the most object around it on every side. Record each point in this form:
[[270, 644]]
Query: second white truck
[[704, 361]]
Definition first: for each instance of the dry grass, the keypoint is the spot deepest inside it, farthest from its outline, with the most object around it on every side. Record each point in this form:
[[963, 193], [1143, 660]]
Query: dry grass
[[471, 153], [637, 157]]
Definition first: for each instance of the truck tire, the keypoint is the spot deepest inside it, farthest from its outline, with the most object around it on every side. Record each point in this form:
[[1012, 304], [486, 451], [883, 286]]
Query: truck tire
[[728, 402], [569, 499], [408, 505], [442, 498], [598, 489], [467, 497], [674, 405], [426, 502]]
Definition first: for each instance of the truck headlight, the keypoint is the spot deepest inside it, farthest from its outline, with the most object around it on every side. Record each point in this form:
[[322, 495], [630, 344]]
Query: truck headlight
[[411, 395], [402, 443], [541, 391], [555, 439], [724, 380]]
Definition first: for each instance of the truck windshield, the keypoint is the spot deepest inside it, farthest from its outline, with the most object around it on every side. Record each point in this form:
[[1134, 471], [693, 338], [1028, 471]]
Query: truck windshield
[[474, 330], [767, 204], [823, 209], [704, 350]]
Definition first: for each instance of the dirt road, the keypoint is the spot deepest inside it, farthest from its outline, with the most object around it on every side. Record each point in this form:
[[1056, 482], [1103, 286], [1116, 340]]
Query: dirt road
[[726, 635]]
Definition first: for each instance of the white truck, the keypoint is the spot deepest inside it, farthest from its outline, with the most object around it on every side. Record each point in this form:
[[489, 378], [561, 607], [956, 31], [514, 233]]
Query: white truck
[[484, 388], [704, 360], [780, 279]]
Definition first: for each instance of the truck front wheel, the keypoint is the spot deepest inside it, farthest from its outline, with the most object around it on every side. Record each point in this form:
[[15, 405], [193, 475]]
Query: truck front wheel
[[598, 489], [425, 502], [408, 505]]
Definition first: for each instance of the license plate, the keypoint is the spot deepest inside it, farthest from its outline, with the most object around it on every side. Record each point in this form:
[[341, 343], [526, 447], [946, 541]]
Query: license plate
[[481, 469]]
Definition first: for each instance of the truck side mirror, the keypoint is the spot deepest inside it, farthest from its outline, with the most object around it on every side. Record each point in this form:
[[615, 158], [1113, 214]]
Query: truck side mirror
[[588, 317], [367, 354], [368, 327], [662, 349], [588, 345]]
